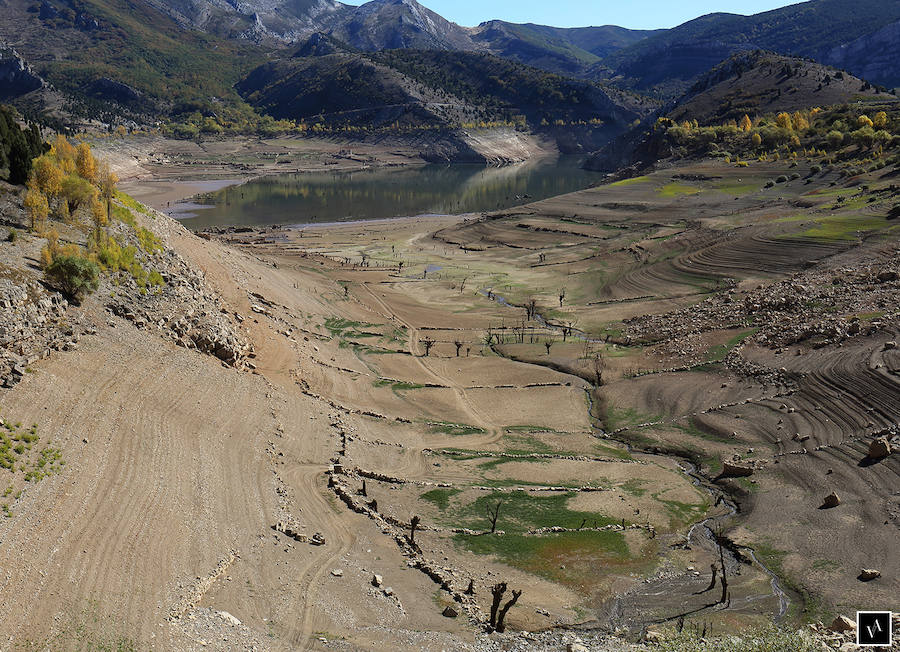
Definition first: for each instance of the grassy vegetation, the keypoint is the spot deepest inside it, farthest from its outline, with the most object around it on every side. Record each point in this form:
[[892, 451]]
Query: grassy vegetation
[[521, 512], [768, 639], [631, 181], [677, 190], [718, 352], [19, 453], [843, 227], [810, 608], [440, 497]]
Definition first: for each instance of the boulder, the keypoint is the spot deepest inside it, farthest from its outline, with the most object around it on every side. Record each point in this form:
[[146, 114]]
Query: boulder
[[576, 647], [842, 624], [869, 574], [879, 448], [731, 470], [377, 580], [832, 500], [449, 612]]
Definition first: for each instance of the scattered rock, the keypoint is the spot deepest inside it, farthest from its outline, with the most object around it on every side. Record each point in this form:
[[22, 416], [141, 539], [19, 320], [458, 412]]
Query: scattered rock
[[337, 572], [869, 574], [842, 624], [377, 580], [879, 448], [449, 612], [831, 500]]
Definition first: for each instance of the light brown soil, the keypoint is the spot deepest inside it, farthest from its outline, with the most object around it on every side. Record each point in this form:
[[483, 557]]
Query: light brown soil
[[165, 516]]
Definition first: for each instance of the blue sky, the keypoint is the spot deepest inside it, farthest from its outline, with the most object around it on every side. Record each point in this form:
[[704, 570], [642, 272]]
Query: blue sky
[[636, 14]]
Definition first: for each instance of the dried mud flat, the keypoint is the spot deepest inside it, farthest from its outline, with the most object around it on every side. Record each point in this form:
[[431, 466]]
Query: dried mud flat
[[185, 515]]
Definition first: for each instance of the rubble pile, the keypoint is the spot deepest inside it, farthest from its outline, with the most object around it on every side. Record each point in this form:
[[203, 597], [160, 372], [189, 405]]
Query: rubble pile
[[184, 308], [815, 308]]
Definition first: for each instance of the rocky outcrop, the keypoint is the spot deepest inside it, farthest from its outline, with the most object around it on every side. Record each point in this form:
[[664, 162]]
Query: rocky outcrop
[[16, 76]]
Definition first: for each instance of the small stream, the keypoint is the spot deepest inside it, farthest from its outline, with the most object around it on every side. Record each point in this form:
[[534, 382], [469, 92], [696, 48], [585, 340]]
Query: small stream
[[702, 529]]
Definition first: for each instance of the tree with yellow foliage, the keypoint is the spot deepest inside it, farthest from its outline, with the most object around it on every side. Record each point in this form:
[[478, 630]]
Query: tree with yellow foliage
[[756, 139], [85, 163], [864, 121], [783, 120], [799, 121], [64, 153], [38, 207], [745, 123], [47, 175], [107, 181], [880, 120]]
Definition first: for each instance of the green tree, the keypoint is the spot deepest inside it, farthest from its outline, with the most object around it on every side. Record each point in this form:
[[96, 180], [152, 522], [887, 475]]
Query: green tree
[[75, 276]]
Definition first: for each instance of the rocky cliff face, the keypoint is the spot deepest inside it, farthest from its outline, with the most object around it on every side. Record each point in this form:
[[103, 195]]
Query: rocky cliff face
[[873, 56], [16, 76]]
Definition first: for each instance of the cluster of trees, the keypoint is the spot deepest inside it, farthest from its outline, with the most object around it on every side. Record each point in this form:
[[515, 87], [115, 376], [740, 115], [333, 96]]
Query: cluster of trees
[[815, 129], [69, 185], [68, 180], [17, 147]]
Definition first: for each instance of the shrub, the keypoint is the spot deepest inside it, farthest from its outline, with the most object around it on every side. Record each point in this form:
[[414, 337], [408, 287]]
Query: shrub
[[781, 179], [815, 169], [794, 176], [12, 235], [75, 276], [769, 183]]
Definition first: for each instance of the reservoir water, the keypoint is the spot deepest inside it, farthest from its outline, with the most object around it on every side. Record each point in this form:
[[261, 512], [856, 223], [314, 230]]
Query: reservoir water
[[307, 198]]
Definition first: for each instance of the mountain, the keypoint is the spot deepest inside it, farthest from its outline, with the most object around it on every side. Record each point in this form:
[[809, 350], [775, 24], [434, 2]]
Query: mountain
[[667, 63], [755, 83], [748, 83], [435, 89], [392, 24], [568, 51]]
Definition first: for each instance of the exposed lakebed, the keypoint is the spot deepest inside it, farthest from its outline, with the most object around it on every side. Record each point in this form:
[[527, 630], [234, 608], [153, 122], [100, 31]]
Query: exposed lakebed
[[306, 198]]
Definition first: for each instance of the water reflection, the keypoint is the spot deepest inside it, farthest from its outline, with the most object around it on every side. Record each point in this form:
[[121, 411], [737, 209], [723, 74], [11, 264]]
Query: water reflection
[[386, 192]]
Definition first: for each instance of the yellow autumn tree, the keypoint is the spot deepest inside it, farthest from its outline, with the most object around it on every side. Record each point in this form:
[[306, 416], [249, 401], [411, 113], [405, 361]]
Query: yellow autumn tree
[[47, 175], [38, 207], [756, 139], [783, 120], [85, 163], [799, 121], [745, 123], [864, 121], [880, 120], [64, 153]]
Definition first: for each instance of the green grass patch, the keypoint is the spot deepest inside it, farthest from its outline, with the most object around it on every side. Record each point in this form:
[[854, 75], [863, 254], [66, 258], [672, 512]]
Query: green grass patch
[[440, 497], [521, 512], [718, 352], [631, 181], [677, 190]]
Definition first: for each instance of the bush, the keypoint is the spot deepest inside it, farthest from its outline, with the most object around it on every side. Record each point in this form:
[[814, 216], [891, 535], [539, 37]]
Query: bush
[[769, 183], [75, 276], [781, 179], [12, 235], [794, 176], [815, 169]]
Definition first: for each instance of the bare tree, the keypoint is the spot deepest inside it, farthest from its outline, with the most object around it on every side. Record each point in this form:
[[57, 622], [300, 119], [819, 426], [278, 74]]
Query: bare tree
[[531, 308], [562, 296], [498, 615], [493, 515], [471, 588], [598, 365], [547, 345], [413, 524], [724, 578], [458, 346], [427, 343]]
